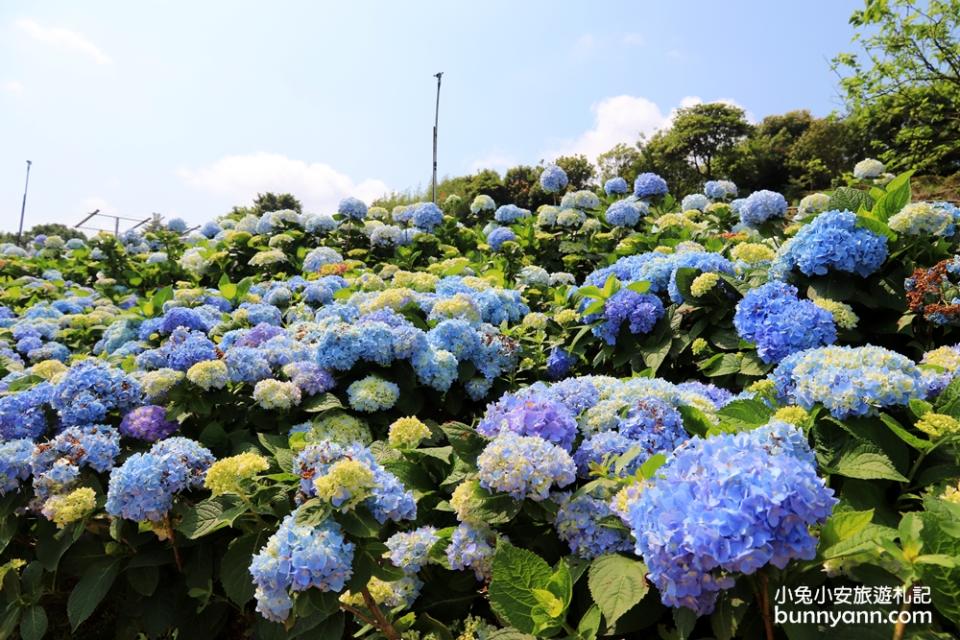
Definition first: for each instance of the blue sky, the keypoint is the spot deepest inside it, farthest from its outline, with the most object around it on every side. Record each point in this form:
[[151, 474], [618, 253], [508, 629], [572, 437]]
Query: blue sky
[[186, 108]]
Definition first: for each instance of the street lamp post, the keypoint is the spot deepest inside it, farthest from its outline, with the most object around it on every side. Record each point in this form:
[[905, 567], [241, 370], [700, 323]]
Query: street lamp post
[[436, 121], [23, 205]]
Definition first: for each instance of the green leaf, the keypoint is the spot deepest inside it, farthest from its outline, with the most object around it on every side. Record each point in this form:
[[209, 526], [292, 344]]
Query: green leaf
[[90, 591], [695, 421], [877, 227], [640, 286], [866, 462], [322, 402], [203, 518], [868, 538], [903, 434], [144, 580], [235, 568], [651, 465], [944, 581], [849, 199], [491, 508], [843, 525], [617, 584], [589, 625], [747, 412], [516, 574], [33, 623], [509, 634]]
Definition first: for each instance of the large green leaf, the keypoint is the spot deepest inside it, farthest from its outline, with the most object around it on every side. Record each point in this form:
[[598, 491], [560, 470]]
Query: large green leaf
[[33, 623], [517, 574], [944, 581], [235, 568], [90, 591], [866, 462], [617, 583]]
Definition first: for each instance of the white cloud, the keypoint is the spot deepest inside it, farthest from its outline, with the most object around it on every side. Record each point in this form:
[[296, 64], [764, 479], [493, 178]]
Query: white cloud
[[319, 186], [691, 101], [91, 204], [12, 87], [584, 44], [617, 119], [63, 39], [624, 119], [496, 161], [633, 40]]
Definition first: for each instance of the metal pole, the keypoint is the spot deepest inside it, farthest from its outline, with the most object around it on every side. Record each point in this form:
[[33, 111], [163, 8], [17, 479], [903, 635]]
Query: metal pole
[[23, 206], [436, 121]]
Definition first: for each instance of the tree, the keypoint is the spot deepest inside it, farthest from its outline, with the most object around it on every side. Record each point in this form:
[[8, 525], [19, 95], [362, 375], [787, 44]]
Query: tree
[[523, 187], [704, 132], [622, 160], [759, 161], [266, 202], [661, 156], [902, 89], [821, 154], [579, 171]]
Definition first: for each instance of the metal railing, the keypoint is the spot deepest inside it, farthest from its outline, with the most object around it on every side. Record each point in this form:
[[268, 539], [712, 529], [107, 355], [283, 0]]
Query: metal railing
[[116, 222]]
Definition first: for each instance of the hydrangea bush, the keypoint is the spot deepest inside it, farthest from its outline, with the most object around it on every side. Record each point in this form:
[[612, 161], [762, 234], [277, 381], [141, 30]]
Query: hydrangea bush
[[628, 413]]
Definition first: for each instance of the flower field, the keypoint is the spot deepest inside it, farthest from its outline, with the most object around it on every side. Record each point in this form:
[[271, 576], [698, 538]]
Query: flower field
[[628, 414]]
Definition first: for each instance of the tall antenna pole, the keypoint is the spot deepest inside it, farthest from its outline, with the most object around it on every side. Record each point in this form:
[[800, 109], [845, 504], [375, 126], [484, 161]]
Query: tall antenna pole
[[23, 206], [436, 121]]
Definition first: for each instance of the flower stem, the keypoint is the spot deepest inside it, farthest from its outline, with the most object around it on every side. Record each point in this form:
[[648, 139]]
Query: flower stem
[[381, 620]]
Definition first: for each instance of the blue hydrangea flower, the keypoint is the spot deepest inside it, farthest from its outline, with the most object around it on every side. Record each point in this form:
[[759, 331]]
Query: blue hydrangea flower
[[718, 396], [498, 235], [694, 201], [147, 423], [389, 499], [410, 550], [319, 257], [183, 317], [23, 414], [761, 206], [603, 447], [624, 213], [482, 203], [177, 225], [649, 185], [524, 466], [832, 242], [725, 506], [848, 381], [579, 523], [372, 393], [640, 312], [15, 456], [472, 547], [352, 208], [246, 364], [534, 416], [616, 186], [144, 486], [772, 317], [553, 179], [510, 213], [427, 216], [210, 229], [309, 377], [720, 189], [91, 389], [95, 446], [297, 558], [559, 363]]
